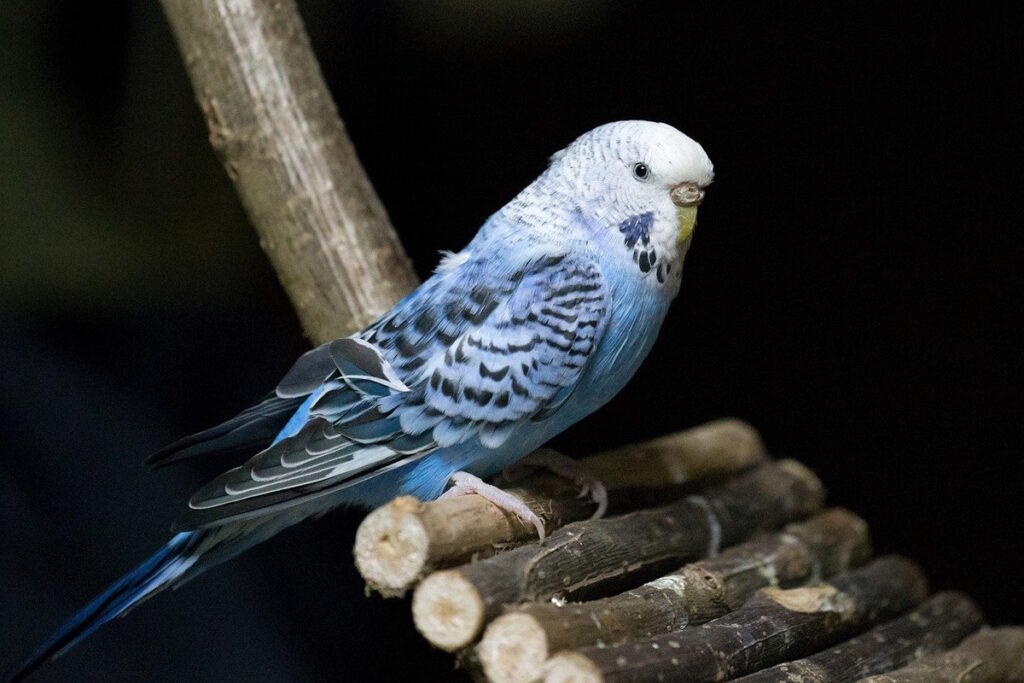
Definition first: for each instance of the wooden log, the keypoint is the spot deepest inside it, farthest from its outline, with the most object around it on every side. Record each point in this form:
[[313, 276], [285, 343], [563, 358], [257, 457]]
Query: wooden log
[[584, 559], [701, 454], [992, 656], [275, 127], [516, 645], [773, 626], [401, 542], [941, 622]]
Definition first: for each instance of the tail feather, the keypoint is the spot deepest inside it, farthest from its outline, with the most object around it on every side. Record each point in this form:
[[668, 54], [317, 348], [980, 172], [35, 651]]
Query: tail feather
[[146, 580]]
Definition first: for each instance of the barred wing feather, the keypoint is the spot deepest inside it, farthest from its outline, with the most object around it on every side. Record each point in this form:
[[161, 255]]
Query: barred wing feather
[[456, 360]]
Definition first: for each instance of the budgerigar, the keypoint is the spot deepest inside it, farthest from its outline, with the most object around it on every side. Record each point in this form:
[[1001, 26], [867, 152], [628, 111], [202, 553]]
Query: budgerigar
[[539, 321]]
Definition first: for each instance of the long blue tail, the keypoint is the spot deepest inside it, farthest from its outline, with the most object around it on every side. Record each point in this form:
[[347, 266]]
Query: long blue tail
[[162, 569]]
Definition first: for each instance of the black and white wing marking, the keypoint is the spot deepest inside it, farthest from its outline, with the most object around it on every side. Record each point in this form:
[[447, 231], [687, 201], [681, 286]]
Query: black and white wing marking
[[521, 364], [255, 427], [343, 437], [507, 360]]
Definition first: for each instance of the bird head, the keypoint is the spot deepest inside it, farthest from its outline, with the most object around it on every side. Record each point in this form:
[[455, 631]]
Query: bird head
[[638, 184]]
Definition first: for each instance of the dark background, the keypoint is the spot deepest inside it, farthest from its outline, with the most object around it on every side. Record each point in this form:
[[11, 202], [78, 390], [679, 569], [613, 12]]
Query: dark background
[[853, 290]]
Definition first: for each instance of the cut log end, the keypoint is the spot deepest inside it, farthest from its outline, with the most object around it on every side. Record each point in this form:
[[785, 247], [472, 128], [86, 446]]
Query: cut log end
[[572, 667], [513, 649], [447, 610], [392, 547], [808, 599]]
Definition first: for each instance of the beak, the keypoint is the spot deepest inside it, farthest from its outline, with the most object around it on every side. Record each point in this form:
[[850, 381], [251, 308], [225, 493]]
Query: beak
[[687, 197], [687, 194]]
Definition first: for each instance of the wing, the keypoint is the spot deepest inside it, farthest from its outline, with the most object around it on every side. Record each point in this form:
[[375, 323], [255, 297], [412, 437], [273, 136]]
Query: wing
[[253, 428], [522, 363], [469, 356]]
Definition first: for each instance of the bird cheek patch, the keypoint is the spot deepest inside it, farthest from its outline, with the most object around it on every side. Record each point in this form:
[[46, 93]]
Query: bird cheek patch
[[637, 231]]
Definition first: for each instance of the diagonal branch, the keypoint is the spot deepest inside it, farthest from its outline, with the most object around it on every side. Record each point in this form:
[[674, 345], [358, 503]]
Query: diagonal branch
[[276, 129]]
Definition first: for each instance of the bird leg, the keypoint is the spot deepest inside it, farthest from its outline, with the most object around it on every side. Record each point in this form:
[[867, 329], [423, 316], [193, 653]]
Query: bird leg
[[464, 483], [568, 468]]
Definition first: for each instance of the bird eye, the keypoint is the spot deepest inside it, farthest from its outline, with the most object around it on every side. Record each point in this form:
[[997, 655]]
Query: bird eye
[[641, 172]]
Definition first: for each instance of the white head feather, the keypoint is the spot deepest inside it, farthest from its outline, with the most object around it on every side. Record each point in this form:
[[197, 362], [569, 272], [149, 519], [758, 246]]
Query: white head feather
[[619, 175], [626, 171], [672, 156]]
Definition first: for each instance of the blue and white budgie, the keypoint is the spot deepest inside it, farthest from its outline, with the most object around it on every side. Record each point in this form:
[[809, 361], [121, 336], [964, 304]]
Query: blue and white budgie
[[539, 321]]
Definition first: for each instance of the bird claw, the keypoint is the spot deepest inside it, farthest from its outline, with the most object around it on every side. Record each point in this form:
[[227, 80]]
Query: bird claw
[[565, 466], [464, 483]]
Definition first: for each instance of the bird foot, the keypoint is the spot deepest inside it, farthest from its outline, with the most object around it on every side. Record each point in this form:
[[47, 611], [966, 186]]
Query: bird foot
[[568, 468], [464, 483]]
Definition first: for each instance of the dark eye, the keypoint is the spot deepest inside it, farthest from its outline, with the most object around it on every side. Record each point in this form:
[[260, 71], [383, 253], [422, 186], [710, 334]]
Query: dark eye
[[641, 172]]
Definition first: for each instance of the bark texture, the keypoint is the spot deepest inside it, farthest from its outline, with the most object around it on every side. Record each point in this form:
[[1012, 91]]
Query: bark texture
[[402, 541], [992, 656], [775, 625], [275, 127], [516, 645], [597, 557], [941, 622], [708, 452], [399, 543]]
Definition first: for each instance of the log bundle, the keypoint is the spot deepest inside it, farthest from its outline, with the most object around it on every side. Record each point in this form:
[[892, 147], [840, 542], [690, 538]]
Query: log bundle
[[714, 563], [398, 544], [516, 645]]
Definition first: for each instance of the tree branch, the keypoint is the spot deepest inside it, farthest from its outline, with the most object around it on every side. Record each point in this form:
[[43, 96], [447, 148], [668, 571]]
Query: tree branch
[[276, 129]]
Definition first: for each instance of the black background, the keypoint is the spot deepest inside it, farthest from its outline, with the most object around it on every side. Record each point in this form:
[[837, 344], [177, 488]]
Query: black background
[[852, 290]]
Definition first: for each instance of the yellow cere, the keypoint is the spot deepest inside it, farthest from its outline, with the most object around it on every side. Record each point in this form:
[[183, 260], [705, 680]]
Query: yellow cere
[[687, 222]]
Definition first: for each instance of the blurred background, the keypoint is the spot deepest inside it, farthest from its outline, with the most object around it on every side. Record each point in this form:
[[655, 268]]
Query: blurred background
[[853, 289]]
